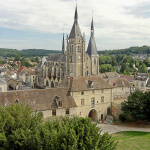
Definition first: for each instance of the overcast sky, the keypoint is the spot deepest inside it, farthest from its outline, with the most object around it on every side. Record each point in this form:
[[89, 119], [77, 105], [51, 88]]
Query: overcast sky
[[40, 23]]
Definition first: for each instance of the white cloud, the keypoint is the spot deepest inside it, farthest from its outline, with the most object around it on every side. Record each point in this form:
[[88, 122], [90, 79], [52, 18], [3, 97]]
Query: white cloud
[[116, 24]]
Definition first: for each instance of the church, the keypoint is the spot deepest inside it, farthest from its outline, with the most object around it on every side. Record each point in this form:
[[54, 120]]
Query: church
[[75, 61]]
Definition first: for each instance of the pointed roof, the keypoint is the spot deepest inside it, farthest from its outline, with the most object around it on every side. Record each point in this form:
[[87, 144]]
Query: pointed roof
[[92, 49], [75, 31], [63, 45]]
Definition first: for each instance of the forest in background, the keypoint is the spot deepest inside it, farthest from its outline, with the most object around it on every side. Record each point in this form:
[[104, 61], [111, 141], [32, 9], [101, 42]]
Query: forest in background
[[26, 53], [127, 51]]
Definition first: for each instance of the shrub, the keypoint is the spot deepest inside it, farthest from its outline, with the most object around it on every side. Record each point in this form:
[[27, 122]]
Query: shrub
[[122, 117]]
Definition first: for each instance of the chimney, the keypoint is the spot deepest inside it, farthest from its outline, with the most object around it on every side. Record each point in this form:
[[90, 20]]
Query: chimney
[[134, 74], [68, 81]]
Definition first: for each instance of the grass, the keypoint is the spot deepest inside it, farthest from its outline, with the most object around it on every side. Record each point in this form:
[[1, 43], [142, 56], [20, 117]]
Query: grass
[[132, 140]]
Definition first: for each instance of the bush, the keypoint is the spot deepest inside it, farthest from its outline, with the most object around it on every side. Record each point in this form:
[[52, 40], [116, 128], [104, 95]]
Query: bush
[[22, 129], [71, 134], [122, 117]]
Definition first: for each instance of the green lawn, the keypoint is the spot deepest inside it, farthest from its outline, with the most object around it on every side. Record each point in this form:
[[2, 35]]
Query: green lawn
[[132, 140]]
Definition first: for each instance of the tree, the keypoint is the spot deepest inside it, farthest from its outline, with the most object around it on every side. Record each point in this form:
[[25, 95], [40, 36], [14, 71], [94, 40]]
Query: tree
[[20, 128], [143, 68], [76, 133], [17, 57], [106, 68], [37, 59], [137, 106], [17, 126]]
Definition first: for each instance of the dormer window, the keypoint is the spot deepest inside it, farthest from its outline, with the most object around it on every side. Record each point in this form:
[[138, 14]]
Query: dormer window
[[60, 104], [58, 101], [16, 101]]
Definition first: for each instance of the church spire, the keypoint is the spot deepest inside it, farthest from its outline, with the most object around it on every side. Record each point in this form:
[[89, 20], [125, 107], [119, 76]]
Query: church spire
[[92, 50], [92, 25], [75, 31], [63, 45], [76, 15]]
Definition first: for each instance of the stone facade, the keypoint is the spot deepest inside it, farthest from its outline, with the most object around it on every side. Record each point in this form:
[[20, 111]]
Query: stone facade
[[75, 61]]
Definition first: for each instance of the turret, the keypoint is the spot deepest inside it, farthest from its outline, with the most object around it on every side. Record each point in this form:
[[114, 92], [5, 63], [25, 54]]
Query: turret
[[63, 45]]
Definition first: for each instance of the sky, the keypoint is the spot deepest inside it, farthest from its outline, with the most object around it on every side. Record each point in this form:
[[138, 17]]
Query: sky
[[40, 24]]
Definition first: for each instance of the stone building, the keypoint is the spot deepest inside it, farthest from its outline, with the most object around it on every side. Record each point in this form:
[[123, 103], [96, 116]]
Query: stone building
[[75, 61], [83, 96], [120, 92], [92, 95]]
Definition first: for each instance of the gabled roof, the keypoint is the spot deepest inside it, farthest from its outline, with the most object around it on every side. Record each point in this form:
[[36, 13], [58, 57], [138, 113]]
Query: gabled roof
[[85, 83], [57, 57], [2, 81], [128, 77], [6, 77], [119, 82], [21, 68], [41, 99], [141, 76]]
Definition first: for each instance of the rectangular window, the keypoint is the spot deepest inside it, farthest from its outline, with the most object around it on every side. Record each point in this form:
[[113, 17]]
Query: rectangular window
[[122, 88], [93, 102], [102, 91], [142, 84], [102, 99], [82, 93], [67, 111], [54, 112], [93, 91], [82, 102]]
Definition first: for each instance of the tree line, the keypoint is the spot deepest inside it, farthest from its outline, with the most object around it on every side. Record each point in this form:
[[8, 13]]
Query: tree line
[[127, 51], [26, 53]]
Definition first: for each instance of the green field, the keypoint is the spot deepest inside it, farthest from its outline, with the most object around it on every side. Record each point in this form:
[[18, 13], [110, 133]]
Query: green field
[[132, 140]]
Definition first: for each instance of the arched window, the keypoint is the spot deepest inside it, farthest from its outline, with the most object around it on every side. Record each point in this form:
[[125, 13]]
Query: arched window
[[78, 48], [70, 48], [94, 61]]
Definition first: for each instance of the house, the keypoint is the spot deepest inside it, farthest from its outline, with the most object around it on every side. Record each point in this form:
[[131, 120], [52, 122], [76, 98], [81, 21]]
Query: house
[[120, 93], [92, 95], [128, 77], [140, 81]]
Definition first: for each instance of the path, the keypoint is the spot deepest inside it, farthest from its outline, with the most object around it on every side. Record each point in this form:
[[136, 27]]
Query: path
[[117, 128]]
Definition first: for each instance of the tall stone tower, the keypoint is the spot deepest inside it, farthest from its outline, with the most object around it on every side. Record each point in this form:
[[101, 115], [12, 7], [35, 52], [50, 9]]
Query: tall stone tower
[[92, 52], [75, 50]]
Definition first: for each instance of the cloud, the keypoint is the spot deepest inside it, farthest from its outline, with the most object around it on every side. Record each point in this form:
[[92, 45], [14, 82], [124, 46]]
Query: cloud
[[141, 10], [116, 22]]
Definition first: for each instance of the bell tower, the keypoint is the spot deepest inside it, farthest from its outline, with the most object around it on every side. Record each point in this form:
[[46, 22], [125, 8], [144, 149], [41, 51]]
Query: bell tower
[[75, 50]]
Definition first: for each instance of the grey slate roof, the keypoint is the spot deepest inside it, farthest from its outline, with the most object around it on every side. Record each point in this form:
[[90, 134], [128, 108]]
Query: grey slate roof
[[6, 77], [57, 57], [92, 49], [141, 76], [2, 81], [75, 31]]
